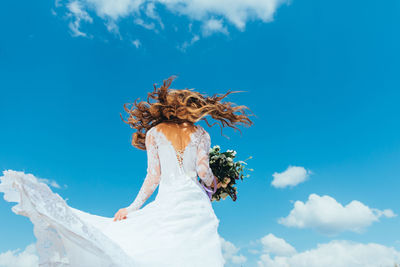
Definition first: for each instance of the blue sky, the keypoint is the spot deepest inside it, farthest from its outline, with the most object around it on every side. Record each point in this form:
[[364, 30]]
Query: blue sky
[[320, 76]]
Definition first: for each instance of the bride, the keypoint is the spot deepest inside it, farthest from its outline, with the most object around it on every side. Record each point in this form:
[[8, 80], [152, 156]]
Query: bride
[[178, 229]]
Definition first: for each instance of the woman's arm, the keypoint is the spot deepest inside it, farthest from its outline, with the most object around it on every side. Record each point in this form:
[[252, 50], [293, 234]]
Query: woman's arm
[[151, 180], [203, 163]]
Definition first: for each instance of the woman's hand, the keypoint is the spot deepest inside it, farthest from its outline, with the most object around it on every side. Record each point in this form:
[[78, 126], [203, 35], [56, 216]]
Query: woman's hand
[[224, 183], [121, 215], [218, 183]]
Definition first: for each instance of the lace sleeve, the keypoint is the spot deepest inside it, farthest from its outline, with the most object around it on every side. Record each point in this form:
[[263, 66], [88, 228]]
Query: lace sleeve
[[152, 178], [202, 163]]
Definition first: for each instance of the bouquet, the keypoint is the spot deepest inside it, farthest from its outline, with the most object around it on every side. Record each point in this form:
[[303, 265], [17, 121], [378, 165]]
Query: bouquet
[[227, 171]]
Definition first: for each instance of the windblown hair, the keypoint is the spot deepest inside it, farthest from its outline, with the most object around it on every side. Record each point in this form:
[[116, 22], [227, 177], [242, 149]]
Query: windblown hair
[[170, 105]]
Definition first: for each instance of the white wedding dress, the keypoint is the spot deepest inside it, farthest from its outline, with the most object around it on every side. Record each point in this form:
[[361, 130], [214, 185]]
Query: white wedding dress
[[177, 229]]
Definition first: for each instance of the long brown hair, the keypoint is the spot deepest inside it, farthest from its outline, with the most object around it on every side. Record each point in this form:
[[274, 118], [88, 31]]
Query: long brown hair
[[179, 106]]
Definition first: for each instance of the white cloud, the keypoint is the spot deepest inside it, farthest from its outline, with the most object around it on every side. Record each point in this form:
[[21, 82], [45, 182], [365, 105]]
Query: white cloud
[[213, 15], [136, 43], [79, 14], [51, 183], [114, 9], [187, 44], [113, 28], [17, 258], [212, 26], [277, 246], [292, 176], [337, 253], [326, 215], [141, 22], [239, 259], [151, 13], [237, 12], [230, 253]]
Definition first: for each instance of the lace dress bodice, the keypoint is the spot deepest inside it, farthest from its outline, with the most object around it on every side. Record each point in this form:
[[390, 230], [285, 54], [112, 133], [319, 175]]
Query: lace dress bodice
[[167, 166]]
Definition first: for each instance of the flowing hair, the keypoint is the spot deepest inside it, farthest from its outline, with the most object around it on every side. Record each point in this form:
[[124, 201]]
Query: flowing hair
[[171, 105]]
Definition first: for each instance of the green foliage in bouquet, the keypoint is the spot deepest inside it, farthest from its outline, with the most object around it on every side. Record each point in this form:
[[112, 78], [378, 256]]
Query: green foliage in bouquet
[[227, 171]]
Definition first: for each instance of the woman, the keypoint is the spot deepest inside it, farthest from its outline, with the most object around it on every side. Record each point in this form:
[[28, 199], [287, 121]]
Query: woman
[[177, 229]]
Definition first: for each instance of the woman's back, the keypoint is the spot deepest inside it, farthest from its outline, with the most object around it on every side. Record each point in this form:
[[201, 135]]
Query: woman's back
[[178, 149], [179, 134], [173, 165]]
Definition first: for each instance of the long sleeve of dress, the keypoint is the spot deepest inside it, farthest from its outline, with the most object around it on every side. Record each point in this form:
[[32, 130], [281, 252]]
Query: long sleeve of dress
[[202, 162], [152, 178]]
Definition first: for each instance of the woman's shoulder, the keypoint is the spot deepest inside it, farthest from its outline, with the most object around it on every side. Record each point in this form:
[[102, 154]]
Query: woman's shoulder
[[151, 131], [202, 132], [201, 129]]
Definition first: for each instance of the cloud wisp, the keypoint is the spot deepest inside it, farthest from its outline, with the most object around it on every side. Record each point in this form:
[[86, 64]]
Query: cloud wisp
[[291, 177], [78, 15], [136, 43], [18, 258], [51, 183], [336, 253], [230, 253], [327, 216], [277, 246], [210, 16]]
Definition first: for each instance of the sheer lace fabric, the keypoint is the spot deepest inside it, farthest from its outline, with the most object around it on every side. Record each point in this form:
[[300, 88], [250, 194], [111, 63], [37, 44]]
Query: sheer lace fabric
[[202, 162], [152, 178], [178, 229]]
